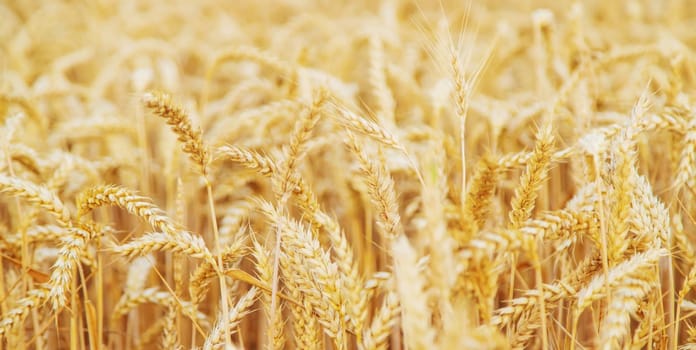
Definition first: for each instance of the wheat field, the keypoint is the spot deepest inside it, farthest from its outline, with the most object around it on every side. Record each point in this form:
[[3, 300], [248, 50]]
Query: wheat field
[[318, 174]]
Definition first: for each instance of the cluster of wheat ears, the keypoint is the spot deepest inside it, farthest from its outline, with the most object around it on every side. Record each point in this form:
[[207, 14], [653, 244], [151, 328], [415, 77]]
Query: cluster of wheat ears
[[347, 174]]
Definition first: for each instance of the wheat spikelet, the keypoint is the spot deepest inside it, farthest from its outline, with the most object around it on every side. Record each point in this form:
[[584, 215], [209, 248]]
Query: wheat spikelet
[[566, 225], [40, 233], [126, 199], [14, 317], [284, 69], [633, 267], [236, 314], [384, 101], [182, 243], [26, 156], [687, 163], [248, 159], [155, 296], [200, 279], [38, 195], [649, 217], [169, 337], [381, 190], [354, 122], [418, 332], [192, 142], [377, 336]]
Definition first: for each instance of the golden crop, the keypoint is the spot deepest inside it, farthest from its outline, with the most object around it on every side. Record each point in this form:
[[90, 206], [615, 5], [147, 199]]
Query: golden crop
[[307, 174]]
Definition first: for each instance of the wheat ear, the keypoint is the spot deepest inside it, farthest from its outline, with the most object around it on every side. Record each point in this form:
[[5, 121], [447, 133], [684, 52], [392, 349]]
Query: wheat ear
[[182, 243], [381, 190], [38, 195], [418, 331], [126, 199], [178, 119], [235, 316]]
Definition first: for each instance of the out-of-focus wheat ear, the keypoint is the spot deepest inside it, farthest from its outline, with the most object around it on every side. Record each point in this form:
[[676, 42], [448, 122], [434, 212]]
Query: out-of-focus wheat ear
[[149, 335], [138, 272], [543, 24], [415, 313], [155, 296], [686, 171], [9, 128], [284, 69], [26, 156], [40, 233], [200, 278], [283, 181], [235, 316], [180, 122], [61, 175], [38, 195], [683, 245], [248, 158], [16, 316], [356, 123], [381, 190], [383, 99], [182, 243], [377, 336], [233, 220], [126, 199]]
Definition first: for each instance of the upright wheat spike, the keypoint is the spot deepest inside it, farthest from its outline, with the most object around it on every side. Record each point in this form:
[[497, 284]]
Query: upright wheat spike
[[418, 332]]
